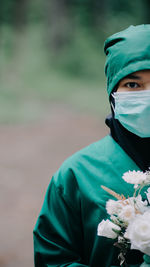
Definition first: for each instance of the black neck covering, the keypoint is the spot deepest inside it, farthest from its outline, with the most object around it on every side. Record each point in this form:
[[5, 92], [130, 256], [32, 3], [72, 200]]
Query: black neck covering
[[136, 147]]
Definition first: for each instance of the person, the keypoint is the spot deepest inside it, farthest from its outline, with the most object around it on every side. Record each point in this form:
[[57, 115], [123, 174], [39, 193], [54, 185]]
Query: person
[[65, 233]]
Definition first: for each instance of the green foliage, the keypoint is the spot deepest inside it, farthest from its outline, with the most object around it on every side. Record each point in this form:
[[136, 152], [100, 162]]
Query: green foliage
[[30, 84], [81, 58], [127, 13], [36, 11], [35, 73], [7, 11]]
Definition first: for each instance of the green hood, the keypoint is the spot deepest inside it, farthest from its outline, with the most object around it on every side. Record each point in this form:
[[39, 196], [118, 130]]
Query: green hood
[[127, 51]]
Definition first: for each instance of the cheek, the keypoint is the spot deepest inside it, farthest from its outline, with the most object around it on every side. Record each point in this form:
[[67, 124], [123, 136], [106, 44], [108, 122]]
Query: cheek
[[124, 89]]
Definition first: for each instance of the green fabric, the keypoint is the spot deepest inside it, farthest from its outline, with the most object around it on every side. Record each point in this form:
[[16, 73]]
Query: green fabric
[[146, 258], [127, 51], [66, 230]]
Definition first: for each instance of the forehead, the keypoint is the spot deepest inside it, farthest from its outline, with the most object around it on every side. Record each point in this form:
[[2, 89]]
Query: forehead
[[142, 74]]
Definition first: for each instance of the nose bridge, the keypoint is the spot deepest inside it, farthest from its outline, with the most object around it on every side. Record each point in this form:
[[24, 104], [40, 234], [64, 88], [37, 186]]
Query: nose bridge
[[147, 85]]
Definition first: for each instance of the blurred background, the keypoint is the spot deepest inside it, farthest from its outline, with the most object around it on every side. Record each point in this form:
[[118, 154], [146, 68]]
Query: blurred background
[[53, 100]]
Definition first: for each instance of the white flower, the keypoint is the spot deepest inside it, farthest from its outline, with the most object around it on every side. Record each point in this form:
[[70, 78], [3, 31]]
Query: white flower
[[148, 194], [105, 228], [125, 210], [127, 213], [113, 206], [138, 232], [135, 177], [148, 175], [140, 205]]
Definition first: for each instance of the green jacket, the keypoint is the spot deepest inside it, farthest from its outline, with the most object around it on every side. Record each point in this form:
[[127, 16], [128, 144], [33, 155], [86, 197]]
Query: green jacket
[[65, 233]]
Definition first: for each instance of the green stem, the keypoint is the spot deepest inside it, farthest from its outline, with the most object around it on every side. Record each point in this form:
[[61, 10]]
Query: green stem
[[142, 187]]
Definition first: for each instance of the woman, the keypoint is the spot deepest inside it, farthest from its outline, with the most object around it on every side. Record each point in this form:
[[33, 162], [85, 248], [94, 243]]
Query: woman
[[66, 231]]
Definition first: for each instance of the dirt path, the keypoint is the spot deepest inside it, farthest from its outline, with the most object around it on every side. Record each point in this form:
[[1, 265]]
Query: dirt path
[[29, 155]]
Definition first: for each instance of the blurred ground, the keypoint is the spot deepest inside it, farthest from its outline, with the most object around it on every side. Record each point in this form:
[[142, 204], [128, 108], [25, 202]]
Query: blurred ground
[[29, 155]]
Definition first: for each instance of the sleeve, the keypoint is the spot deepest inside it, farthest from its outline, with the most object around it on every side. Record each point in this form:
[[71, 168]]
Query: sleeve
[[58, 234]]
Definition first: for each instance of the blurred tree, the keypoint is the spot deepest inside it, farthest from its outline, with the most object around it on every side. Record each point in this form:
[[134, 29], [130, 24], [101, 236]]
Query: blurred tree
[[20, 8], [124, 6], [59, 24], [90, 13], [6, 11], [146, 11], [71, 23], [36, 12], [14, 12], [99, 12]]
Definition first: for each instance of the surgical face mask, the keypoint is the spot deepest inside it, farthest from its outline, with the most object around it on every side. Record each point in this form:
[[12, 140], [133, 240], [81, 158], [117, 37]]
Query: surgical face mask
[[132, 109]]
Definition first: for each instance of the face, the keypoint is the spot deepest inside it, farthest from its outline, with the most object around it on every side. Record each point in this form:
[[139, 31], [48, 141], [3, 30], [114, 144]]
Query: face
[[136, 81]]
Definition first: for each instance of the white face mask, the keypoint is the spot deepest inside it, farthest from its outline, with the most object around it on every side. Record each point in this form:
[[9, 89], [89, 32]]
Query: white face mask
[[132, 109]]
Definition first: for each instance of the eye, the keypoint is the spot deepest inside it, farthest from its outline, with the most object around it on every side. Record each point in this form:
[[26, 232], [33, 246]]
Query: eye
[[132, 85]]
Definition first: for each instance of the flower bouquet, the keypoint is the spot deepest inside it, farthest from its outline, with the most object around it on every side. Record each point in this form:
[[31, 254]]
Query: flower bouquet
[[129, 222]]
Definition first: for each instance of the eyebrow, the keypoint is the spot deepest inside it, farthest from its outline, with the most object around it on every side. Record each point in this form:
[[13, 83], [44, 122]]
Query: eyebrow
[[132, 77]]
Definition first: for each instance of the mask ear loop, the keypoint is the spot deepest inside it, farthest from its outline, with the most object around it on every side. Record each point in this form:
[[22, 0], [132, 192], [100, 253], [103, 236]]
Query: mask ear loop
[[112, 103], [112, 107], [112, 99]]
